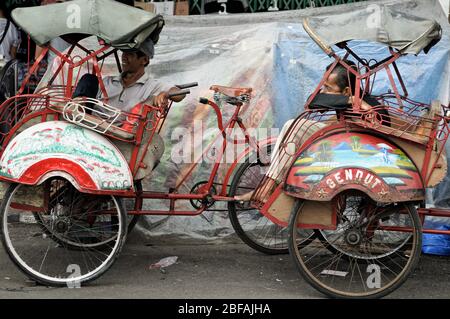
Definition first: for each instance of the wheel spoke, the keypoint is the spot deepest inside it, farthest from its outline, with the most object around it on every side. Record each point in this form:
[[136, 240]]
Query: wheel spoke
[[255, 229], [359, 258], [79, 235]]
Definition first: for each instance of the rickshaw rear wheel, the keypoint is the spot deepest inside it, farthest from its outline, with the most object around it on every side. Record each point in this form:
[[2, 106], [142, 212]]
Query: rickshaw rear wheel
[[57, 263], [367, 263], [131, 222], [350, 205], [251, 226]]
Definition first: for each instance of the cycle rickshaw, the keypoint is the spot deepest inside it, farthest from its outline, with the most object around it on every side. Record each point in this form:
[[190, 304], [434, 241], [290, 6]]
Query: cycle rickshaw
[[68, 164], [351, 191], [355, 180]]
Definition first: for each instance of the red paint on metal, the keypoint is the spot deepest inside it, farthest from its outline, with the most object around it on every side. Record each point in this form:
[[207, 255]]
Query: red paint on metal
[[33, 174], [27, 208], [64, 60], [133, 164], [439, 212], [32, 70], [100, 79], [69, 82], [335, 180], [394, 86], [231, 169], [166, 212], [229, 125], [396, 228]]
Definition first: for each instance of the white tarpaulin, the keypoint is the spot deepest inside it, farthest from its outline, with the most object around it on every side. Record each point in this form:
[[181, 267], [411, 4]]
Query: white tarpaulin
[[271, 53], [274, 55]]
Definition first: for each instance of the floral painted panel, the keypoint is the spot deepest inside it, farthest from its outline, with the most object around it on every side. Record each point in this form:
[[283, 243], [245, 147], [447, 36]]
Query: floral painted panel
[[55, 139]]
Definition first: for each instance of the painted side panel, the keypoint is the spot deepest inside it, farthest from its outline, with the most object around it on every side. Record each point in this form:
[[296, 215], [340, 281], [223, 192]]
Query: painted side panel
[[354, 160], [91, 159]]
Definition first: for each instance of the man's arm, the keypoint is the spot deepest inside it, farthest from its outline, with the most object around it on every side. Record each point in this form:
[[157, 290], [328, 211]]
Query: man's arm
[[162, 99]]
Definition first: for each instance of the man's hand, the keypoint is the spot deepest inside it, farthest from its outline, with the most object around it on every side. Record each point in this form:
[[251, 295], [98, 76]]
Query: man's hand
[[162, 100], [177, 98]]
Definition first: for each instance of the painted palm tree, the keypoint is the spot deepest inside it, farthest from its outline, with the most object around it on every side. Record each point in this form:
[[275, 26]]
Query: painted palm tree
[[356, 143], [324, 154]]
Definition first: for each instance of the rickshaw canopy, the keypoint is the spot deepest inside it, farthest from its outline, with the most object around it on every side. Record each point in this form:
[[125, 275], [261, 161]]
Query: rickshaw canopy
[[405, 32], [120, 25]]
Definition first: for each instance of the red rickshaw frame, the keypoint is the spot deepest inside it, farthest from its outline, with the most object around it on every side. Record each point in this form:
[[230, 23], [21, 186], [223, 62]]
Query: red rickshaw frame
[[156, 123]]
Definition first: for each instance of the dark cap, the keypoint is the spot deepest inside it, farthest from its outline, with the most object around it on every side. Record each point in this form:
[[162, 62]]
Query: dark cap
[[147, 47]]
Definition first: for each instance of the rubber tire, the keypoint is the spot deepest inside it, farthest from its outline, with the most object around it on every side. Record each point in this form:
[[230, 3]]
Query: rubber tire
[[415, 256], [122, 215], [232, 213], [131, 224]]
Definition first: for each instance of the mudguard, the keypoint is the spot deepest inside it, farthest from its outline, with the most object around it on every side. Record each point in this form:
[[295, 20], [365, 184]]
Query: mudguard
[[350, 160], [56, 148]]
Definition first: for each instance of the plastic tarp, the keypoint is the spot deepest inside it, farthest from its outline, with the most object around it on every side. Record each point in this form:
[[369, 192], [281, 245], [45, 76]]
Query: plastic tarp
[[274, 55]]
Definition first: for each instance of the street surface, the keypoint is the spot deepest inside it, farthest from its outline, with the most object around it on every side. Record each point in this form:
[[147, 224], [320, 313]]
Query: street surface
[[229, 270]]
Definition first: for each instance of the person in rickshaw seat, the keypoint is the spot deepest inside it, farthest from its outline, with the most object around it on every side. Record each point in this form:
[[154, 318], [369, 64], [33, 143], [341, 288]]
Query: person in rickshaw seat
[[128, 92], [133, 86], [336, 94]]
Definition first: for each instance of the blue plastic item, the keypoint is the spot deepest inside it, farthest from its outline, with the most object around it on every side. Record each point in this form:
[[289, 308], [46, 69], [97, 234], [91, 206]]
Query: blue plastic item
[[435, 244]]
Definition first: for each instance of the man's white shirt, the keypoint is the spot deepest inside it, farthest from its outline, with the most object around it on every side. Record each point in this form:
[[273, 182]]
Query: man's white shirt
[[143, 90]]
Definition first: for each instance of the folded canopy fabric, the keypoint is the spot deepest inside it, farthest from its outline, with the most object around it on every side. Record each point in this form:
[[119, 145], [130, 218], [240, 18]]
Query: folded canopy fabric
[[383, 24], [122, 26]]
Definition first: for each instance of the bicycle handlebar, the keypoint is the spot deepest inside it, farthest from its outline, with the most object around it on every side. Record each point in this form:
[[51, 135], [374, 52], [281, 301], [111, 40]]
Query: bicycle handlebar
[[180, 92], [187, 85], [203, 100]]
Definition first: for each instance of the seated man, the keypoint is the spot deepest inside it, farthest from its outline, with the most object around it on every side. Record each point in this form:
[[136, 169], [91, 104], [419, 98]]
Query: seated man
[[126, 92], [336, 93], [132, 86]]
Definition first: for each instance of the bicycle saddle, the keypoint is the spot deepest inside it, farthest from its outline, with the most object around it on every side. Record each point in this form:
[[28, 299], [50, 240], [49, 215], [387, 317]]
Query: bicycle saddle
[[229, 91]]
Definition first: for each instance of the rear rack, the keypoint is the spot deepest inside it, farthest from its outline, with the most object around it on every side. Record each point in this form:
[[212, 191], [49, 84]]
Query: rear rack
[[411, 120], [18, 110], [85, 112]]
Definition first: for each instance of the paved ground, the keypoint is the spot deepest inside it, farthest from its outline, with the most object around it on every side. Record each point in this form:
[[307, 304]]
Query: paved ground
[[230, 270]]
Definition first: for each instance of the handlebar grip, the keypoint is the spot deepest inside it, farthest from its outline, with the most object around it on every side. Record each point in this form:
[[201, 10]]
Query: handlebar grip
[[181, 92], [203, 100], [187, 85]]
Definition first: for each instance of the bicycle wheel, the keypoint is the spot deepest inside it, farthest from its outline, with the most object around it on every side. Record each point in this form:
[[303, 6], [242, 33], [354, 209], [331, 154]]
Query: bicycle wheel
[[87, 234], [350, 208], [44, 220], [373, 251], [252, 227]]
